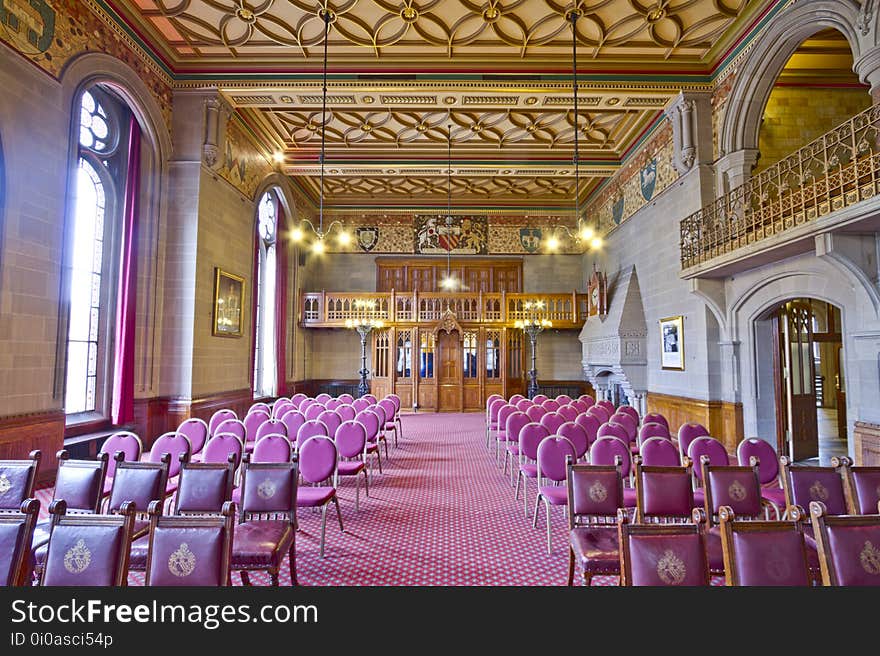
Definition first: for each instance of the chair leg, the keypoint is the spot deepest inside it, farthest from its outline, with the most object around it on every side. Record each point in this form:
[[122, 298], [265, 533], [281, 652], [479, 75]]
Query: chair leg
[[338, 513], [245, 577], [323, 527], [504, 468], [547, 518], [516, 488], [357, 493], [385, 442], [400, 426], [537, 504], [274, 577], [291, 559], [379, 458], [366, 483], [525, 497], [588, 579], [570, 567]]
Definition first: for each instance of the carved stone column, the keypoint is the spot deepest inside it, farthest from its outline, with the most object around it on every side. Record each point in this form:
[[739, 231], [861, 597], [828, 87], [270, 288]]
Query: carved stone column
[[211, 149], [690, 114], [734, 169]]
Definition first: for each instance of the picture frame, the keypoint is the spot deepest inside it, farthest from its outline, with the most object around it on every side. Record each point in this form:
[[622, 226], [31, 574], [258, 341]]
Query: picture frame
[[228, 304], [672, 343]]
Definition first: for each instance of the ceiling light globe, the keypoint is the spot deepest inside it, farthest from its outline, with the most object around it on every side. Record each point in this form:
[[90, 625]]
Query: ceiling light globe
[[587, 233], [318, 247], [596, 243], [296, 235], [344, 238]]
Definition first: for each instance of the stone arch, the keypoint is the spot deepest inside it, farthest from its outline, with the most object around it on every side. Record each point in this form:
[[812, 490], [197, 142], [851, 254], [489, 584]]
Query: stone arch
[[769, 54]]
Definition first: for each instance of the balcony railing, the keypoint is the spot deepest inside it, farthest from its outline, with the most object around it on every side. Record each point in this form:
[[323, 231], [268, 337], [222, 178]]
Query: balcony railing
[[333, 309], [836, 170]]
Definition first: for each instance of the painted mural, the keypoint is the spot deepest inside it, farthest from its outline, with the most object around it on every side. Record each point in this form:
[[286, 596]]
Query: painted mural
[[241, 164], [458, 235], [51, 33]]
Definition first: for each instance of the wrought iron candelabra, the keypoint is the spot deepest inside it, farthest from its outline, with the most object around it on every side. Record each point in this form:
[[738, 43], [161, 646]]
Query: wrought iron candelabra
[[364, 326], [533, 326]]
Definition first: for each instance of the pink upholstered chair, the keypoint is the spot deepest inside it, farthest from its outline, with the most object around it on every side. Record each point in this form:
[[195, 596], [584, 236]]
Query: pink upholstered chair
[[629, 410], [763, 553], [346, 412], [397, 420], [552, 421], [174, 444], [655, 418], [580, 406], [630, 424], [259, 406], [204, 487], [331, 420], [131, 447], [140, 483], [600, 413], [323, 398], [663, 494], [266, 530], [530, 436], [252, 424], [16, 535], [360, 404], [849, 547], [370, 421], [590, 424], [390, 411], [232, 426], [332, 404], [594, 495], [351, 443], [313, 411], [550, 476], [346, 398], [18, 478], [577, 436], [568, 411], [586, 398], [687, 433], [659, 452], [608, 405], [279, 408], [515, 423], [318, 468], [861, 485], [537, 399], [309, 429], [271, 427], [613, 429], [500, 437], [768, 470], [805, 484], [221, 446], [705, 446], [293, 419], [492, 408], [647, 431], [535, 412], [196, 432], [297, 399], [272, 448], [563, 399], [661, 554], [88, 550], [305, 404], [381, 436], [190, 551], [524, 405], [550, 405], [611, 451], [372, 399], [219, 417]]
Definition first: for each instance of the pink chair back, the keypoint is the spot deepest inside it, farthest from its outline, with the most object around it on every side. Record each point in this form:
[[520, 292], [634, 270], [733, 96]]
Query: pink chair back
[[707, 446], [218, 448], [630, 424], [563, 399], [650, 430], [524, 405], [580, 406], [314, 410], [551, 405], [293, 419], [351, 439], [390, 409], [346, 398], [234, 426], [552, 454], [173, 443], [631, 411], [370, 422], [271, 427], [606, 449], [586, 398], [613, 429], [332, 404], [503, 414], [515, 423], [272, 448], [577, 436], [317, 459], [516, 398], [535, 413], [372, 399], [323, 398], [768, 461], [297, 399], [125, 441], [590, 424], [659, 452], [687, 434], [379, 411], [396, 401], [281, 407], [252, 424], [331, 420], [260, 407], [491, 399], [493, 407], [530, 436], [537, 398], [218, 417], [608, 405], [568, 411], [599, 412], [305, 403], [655, 418], [310, 428], [196, 432], [346, 412], [552, 421], [361, 404]]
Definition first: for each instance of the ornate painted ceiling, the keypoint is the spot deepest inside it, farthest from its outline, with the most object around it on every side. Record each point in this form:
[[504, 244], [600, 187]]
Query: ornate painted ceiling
[[408, 76]]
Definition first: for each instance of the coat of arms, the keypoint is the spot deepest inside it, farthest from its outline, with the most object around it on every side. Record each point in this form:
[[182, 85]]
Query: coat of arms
[[530, 238], [648, 178], [182, 562], [367, 238], [617, 210], [459, 235]]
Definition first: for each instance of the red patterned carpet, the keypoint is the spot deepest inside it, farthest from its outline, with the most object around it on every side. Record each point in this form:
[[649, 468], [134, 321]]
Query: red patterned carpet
[[441, 514]]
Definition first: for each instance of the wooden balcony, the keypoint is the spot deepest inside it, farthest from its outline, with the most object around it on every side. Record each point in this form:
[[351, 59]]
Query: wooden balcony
[[333, 309], [778, 212]]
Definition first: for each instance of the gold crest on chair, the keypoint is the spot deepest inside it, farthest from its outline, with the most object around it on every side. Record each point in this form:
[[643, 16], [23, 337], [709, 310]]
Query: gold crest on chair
[[598, 492], [78, 558], [870, 559], [182, 562], [671, 569], [266, 489], [5, 485], [737, 491], [818, 492]]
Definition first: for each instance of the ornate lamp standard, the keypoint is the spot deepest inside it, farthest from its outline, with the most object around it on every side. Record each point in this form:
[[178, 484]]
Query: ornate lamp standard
[[364, 327], [533, 326]]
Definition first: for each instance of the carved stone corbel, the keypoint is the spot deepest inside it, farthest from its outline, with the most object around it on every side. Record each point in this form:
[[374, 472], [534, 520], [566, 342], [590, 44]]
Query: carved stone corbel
[[685, 112]]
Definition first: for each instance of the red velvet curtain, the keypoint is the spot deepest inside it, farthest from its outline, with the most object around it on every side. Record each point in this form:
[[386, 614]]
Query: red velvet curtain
[[122, 407], [281, 303]]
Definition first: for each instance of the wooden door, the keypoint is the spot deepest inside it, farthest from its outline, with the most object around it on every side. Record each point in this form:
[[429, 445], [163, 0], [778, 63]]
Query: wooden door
[[840, 390], [380, 384], [798, 380], [449, 374]]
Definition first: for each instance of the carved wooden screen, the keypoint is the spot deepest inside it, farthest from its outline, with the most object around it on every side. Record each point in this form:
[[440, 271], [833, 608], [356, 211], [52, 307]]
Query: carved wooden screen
[[424, 274]]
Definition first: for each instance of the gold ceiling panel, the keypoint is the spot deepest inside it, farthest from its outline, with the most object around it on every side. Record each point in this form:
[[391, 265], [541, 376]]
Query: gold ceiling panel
[[437, 30]]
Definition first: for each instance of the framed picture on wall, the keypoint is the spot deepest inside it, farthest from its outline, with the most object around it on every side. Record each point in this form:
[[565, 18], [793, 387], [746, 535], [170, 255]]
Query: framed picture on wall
[[672, 343], [228, 304]]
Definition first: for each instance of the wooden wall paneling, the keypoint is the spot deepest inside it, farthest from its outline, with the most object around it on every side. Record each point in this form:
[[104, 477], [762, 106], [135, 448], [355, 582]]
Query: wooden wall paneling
[[19, 435], [722, 418], [425, 274], [866, 438]]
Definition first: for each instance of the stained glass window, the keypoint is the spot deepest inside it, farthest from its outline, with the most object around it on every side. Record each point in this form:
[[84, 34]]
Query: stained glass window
[[265, 374]]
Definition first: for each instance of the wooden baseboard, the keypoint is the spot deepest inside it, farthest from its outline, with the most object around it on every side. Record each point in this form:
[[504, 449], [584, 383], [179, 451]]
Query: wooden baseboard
[[867, 444], [21, 434], [723, 418]]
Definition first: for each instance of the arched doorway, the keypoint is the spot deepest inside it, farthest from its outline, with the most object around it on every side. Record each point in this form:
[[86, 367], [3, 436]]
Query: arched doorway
[[803, 337]]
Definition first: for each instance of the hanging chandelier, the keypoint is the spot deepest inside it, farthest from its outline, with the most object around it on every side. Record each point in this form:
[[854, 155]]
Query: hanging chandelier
[[298, 233]]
